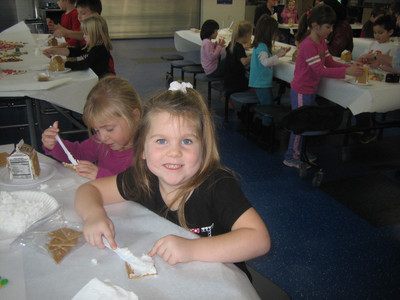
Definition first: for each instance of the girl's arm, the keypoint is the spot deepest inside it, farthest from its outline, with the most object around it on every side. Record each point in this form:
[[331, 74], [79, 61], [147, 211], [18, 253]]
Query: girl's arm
[[49, 52], [249, 229], [90, 199], [245, 60], [273, 60], [212, 51]]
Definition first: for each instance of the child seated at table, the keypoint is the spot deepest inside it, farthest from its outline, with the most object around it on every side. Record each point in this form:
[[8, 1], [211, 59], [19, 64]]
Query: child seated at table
[[85, 8], [383, 28], [111, 113], [236, 61], [367, 30], [69, 20], [289, 13], [96, 53], [177, 174], [263, 60], [210, 52]]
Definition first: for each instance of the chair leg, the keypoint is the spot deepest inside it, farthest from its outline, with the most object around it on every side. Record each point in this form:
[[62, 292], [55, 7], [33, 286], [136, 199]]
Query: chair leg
[[194, 80], [209, 94], [227, 96], [182, 75], [172, 72]]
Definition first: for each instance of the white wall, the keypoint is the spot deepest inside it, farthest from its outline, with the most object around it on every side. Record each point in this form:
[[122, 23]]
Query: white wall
[[224, 14]]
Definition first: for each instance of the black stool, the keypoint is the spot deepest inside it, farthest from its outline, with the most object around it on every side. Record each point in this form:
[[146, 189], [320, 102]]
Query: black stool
[[275, 113], [179, 64], [195, 69], [172, 58], [245, 99], [204, 78]]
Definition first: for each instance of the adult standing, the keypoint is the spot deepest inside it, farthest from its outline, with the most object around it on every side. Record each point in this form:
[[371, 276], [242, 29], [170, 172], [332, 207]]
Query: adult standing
[[341, 37], [265, 8]]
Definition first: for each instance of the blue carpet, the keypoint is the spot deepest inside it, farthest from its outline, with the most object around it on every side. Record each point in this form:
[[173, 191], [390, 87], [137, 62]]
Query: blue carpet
[[320, 248]]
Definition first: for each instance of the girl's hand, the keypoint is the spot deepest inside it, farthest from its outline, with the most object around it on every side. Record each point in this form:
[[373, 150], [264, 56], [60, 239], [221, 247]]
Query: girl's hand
[[87, 169], [96, 227], [49, 52], [221, 42], [283, 51], [173, 249], [49, 136], [354, 70]]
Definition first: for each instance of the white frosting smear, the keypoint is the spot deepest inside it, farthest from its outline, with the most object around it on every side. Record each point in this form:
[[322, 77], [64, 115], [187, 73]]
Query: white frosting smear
[[143, 265]]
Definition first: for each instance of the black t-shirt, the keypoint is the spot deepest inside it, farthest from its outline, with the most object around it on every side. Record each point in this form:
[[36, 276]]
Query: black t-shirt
[[235, 79], [98, 59], [212, 209]]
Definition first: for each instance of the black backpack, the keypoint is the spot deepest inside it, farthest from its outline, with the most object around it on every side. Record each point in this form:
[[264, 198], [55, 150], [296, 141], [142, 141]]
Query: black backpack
[[313, 118]]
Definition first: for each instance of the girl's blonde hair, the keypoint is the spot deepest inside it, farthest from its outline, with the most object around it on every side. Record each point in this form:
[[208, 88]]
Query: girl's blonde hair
[[191, 106], [266, 31], [95, 26], [240, 30], [112, 97]]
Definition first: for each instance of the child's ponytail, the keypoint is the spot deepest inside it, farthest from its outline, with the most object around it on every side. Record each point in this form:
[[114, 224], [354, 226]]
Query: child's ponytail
[[320, 14], [303, 28]]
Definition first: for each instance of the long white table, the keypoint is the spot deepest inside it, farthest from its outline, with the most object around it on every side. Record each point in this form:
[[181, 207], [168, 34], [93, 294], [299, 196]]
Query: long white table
[[377, 97], [33, 275], [66, 90]]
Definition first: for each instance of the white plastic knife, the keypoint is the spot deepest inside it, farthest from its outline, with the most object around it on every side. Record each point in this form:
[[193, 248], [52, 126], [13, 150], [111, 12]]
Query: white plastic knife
[[70, 157], [125, 255]]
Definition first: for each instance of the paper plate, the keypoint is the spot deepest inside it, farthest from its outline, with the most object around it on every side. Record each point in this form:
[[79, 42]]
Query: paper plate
[[42, 67], [47, 171], [61, 72], [356, 83], [19, 210]]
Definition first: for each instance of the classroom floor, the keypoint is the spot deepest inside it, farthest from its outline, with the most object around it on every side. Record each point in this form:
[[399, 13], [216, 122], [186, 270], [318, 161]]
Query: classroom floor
[[322, 246]]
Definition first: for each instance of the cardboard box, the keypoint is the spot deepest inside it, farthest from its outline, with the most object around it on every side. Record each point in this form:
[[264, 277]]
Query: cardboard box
[[23, 162]]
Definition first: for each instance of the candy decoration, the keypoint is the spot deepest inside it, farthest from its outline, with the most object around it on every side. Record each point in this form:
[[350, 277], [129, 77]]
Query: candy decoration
[[11, 72], [3, 281]]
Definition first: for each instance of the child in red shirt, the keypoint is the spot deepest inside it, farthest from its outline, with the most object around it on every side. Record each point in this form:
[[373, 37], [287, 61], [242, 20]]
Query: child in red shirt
[[69, 20]]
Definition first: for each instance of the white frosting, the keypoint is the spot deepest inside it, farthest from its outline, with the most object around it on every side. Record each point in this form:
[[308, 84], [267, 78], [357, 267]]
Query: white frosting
[[17, 214], [141, 265]]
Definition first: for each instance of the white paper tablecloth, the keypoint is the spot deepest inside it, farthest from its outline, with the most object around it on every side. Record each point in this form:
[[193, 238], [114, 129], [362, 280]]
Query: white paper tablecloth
[[378, 97], [136, 228], [68, 90]]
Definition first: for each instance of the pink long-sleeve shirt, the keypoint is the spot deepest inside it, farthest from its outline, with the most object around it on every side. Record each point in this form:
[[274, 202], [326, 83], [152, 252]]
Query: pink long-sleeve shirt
[[209, 54], [314, 62], [109, 162], [293, 15]]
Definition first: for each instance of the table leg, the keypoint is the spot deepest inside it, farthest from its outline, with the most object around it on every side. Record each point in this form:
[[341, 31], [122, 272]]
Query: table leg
[[31, 122]]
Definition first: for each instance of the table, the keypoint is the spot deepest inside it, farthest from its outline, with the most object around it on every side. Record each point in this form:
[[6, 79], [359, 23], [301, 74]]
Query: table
[[33, 275], [378, 97], [290, 30], [66, 90]]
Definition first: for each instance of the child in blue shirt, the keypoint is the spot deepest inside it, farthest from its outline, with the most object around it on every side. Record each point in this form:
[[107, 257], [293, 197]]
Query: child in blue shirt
[[262, 60]]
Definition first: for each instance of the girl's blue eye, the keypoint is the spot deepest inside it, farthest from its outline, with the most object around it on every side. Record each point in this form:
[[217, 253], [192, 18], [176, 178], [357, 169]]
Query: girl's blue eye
[[186, 142], [161, 141]]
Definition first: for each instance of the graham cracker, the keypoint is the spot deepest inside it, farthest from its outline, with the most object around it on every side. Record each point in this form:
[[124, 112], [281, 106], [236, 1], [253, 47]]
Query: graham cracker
[[3, 158], [131, 272], [61, 242]]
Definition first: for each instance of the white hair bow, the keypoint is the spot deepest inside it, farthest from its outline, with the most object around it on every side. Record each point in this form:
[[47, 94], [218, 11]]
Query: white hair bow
[[177, 86]]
